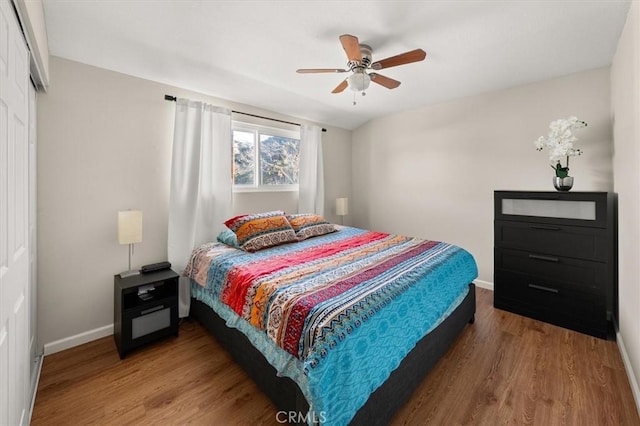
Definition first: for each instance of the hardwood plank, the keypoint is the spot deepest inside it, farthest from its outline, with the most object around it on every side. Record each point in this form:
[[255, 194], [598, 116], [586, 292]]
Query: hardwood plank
[[503, 369]]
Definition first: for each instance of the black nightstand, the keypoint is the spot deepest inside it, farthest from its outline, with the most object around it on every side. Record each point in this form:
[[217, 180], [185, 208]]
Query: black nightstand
[[145, 308]]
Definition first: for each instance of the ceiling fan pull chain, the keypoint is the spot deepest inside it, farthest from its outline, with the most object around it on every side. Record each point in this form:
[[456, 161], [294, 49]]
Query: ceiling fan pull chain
[[363, 84]]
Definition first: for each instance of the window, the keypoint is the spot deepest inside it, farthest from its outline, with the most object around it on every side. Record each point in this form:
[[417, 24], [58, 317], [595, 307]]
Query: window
[[265, 158]]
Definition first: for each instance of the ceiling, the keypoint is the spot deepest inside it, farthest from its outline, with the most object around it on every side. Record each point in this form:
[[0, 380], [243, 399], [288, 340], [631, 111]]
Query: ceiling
[[248, 51]]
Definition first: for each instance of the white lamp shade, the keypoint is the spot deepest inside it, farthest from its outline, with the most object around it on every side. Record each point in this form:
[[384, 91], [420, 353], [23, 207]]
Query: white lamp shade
[[342, 206], [130, 226], [359, 81]]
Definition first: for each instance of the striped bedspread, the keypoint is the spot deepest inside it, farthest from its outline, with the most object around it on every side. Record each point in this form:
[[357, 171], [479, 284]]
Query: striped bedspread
[[348, 301]]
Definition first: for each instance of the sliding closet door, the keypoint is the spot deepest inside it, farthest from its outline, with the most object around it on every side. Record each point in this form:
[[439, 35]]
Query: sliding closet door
[[14, 220]]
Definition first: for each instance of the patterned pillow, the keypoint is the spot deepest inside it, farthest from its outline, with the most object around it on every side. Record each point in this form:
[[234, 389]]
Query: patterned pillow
[[309, 225], [258, 231], [229, 238]]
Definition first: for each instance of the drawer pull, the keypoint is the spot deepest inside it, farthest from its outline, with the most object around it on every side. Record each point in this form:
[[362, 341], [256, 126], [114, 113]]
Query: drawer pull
[[543, 288], [155, 308], [545, 228], [545, 258]]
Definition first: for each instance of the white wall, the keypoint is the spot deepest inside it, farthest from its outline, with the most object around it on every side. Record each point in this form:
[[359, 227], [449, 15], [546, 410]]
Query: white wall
[[625, 106], [431, 172], [104, 145]]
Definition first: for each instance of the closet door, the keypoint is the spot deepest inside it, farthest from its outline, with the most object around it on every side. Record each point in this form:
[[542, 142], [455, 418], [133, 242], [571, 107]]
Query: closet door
[[34, 351], [14, 220]]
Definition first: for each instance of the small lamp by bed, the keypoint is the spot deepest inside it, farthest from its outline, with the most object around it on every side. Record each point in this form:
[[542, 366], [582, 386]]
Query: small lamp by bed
[[129, 232], [342, 208]]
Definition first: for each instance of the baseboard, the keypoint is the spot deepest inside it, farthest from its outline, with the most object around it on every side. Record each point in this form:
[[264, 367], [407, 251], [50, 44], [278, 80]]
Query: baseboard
[[484, 284], [34, 386], [635, 388], [78, 339]]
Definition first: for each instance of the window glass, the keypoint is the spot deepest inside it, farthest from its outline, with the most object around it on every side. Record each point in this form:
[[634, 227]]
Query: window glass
[[278, 160], [265, 158], [244, 158]]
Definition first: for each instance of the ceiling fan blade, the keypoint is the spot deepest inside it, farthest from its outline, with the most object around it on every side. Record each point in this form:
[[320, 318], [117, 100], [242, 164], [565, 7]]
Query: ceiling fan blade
[[340, 87], [401, 59], [351, 46], [387, 82], [319, 70]]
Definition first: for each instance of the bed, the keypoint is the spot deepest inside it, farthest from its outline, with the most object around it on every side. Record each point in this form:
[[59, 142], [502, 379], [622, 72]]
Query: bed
[[338, 328]]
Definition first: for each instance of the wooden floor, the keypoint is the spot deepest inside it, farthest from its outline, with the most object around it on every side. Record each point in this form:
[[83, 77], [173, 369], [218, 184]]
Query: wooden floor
[[504, 369]]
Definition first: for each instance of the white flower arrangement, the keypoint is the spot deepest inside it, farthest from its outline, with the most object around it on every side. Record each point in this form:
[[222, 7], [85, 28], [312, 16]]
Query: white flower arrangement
[[560, 143]]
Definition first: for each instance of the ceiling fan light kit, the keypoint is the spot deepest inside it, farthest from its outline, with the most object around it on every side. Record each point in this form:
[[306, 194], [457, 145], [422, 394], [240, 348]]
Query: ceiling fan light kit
[[360, 60], [359, 81]]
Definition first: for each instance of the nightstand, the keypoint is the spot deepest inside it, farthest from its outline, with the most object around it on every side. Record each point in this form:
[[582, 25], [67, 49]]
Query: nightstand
[[145, 308]]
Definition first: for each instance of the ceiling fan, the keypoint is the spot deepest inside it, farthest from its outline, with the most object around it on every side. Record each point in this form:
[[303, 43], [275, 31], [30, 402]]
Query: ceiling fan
[[359, 61]]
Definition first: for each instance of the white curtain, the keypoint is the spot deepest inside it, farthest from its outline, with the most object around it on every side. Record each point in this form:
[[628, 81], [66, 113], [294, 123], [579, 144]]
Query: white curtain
[[201, 188], [311, 176]]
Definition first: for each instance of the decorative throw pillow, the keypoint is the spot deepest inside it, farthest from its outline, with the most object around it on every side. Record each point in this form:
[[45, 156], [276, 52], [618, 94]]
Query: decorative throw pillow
[[308, 225], [258, 231], [229, 238]]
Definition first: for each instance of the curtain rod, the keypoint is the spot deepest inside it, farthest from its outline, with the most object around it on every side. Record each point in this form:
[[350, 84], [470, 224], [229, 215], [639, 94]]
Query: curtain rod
[[173, 99]]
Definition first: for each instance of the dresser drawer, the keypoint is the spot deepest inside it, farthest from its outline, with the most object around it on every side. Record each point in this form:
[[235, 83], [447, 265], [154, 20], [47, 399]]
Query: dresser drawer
[[557, 240], [547, 302], [562, 208], [564, 272]]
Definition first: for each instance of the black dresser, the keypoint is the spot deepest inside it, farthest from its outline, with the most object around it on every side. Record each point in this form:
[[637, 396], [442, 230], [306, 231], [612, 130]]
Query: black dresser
[[555, 258]]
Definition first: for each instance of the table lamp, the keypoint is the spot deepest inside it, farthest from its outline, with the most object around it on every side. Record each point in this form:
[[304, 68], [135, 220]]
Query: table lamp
[[342, 208], [129, 232]]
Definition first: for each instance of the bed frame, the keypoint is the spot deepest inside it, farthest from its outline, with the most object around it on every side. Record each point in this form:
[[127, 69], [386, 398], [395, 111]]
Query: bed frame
[[383, 403]]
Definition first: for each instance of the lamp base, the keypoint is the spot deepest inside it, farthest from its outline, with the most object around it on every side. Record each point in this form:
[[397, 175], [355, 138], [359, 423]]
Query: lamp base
[[129, 273]]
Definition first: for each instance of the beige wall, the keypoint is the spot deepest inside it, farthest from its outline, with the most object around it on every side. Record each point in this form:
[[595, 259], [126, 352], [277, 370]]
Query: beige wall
[[625, 106], [104, 144], [431, 172]]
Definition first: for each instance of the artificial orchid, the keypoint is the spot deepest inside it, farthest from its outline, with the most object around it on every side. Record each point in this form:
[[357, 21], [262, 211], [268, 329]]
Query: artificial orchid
[[560, 143]]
